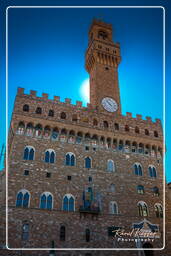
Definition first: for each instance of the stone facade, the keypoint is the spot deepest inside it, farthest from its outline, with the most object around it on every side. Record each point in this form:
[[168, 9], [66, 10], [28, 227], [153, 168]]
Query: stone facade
[[99, 158]]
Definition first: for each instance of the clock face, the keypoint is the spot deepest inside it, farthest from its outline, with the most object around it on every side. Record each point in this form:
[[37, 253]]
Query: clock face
[[109, 104]]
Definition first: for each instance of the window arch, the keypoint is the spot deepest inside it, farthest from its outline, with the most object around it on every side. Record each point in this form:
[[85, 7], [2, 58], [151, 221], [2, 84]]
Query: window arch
[[87, 235], [140, 189], [26, 108], [102, 34], [21, 128], [113, 207], [116, 125], [88, 162], [46, 201], [29, 129], [156, 134], [29, 153], [38, 130], [158, 210], [49, 156], [105, 124], [63, 115], [110, 165], [68, 203], [142, 209], [23, 198], [51, 113], [25, 231], [38, 110], [70, 159], [138, 169], [152, 171], [137, 130], [147, 132], [155, 191], [127, 128], [62, 233]]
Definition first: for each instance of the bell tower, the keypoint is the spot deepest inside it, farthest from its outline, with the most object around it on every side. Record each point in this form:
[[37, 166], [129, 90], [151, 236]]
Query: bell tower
[[102, 60]]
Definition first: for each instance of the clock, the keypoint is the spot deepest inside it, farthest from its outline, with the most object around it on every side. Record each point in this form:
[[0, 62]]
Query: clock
[[109, 104]]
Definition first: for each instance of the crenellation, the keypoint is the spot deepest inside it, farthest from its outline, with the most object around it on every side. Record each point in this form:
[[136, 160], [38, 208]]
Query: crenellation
[[128, 114], [45, 96], [149, 119], [33, 93], [20, 91], [138, 117], [67, 100], [79, 104], [57, 98]]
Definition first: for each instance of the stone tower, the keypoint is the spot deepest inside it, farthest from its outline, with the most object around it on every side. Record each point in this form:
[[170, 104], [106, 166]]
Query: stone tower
[[102, 60]]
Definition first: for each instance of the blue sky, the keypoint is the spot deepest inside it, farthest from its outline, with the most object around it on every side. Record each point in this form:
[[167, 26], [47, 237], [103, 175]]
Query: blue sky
[[47, 47]]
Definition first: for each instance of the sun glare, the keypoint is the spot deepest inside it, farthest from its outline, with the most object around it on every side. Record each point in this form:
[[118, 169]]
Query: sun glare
[[85, 90]]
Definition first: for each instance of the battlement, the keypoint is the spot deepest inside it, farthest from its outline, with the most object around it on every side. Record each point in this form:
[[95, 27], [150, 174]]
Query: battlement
[[79, 104]]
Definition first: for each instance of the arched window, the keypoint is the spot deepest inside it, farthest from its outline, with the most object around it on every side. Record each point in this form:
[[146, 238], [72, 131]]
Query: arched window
[[68, 203], [26, 108], [28, 153], [152, 171], [62, 233], [63, 115], [155, 191], [88, 162], [142, 209], [137, 130], [105, 124], [29, 129], [126, 128], [110, 165], [113, 208], [70, 159], [51, 113], [140, 189], [74, 118], [46, 201], [21, 128], [102, 35], [116, 125], [50, 156], [112, 188], [156, 134], [147, 132], [38, 110], [38, 130], [95, 122], [138, 169], [158, 210], [87, 235], [55, 133], [23, 198], [25, 231]]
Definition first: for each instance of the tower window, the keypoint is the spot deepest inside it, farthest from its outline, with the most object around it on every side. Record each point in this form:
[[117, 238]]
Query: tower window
[[116, 126], [156, 134], [113, 208], [107, 49], [90, 179], [142, 209], [152, 171], [51, 113], [137, 130], [63, 115], [126, 128], [26, 108], [88, 162], [106, 68], [138, 169], [87, 234], [155, 191], [38, 110], [68, 203], [110, 166], [158, 210], [70, 159], [48, 175], [105, 124], [26, 172], [25, 231], [95, 123], [46, 201], [69, 177], [147, 132], [28, 153], [102, 35], [140, 189], [23, 198], [62, 233]]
